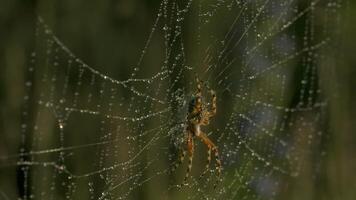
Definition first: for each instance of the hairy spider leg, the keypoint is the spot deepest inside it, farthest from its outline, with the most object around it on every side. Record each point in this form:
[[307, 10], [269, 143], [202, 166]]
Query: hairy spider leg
[[207, 141], [199, 95], [213, 103], [190, 147], [208, 160], [211, 147], [199, 83], [182, 154], [218, 166], [197, 106]]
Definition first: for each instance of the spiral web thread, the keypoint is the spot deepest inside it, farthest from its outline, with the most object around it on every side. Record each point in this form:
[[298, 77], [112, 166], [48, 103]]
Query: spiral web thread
[[268, 128]]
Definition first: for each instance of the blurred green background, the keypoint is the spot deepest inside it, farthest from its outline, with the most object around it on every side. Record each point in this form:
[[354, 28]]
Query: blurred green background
[[109, 36]]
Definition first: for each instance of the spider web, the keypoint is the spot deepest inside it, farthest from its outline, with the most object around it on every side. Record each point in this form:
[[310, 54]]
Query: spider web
[[87, 134]]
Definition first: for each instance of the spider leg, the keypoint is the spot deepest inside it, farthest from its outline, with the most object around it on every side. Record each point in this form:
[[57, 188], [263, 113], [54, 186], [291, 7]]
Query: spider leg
[[190, 147], [182, 154], [199, 82], [208, 160], [211, 147], [213, 103]]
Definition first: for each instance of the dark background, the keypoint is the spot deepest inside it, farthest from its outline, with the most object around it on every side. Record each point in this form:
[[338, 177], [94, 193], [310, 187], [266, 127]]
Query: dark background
[[109, 36]]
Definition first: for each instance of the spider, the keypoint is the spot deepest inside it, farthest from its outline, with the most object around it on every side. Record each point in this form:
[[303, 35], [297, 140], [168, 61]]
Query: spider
[[198, 115]]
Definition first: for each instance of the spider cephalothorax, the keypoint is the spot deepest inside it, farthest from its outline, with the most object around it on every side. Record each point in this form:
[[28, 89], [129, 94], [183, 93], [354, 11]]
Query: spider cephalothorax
[[199, 115]]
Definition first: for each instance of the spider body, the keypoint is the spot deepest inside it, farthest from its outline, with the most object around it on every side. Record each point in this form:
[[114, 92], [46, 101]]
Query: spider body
[[199, 115]]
